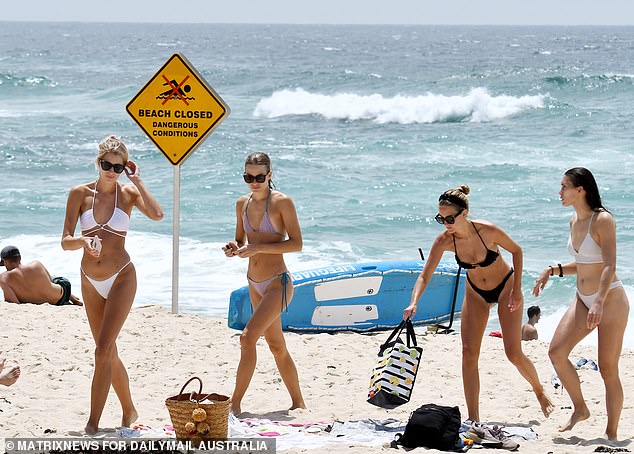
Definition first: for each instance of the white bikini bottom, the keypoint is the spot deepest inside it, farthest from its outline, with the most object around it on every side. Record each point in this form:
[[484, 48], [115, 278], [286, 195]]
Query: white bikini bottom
[[104, 287], [588, 300]]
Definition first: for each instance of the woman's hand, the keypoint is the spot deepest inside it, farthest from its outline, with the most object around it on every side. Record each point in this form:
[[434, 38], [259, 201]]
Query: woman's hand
[[541, 281], [132, 171], [230, 248], [516, 300], [248, 250], [87, 243], [595, 314], [409, 311]]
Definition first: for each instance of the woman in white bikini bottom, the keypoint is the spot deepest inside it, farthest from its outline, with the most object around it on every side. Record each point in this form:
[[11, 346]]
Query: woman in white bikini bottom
[[588, 300], [103, 287]]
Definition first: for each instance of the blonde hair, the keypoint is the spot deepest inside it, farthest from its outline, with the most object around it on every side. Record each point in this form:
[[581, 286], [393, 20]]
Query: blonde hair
[[457, 197], [112, 144]]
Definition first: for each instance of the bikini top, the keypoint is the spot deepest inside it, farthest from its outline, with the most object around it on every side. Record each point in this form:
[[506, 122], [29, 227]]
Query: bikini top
[[488, 260], [589, 251], [266, 226], [118, 223]]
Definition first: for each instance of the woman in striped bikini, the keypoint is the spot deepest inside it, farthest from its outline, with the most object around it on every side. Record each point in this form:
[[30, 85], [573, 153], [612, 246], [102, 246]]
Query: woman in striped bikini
[[108, 283], [266, 228]]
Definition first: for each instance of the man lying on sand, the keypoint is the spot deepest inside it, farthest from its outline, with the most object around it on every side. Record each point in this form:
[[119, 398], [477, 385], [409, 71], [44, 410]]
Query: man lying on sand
[[10, 375], [32, 283]]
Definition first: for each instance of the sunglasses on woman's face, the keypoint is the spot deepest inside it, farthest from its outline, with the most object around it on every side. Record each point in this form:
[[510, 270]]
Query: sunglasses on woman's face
[[261, 178], [451, 219], [106, 165]]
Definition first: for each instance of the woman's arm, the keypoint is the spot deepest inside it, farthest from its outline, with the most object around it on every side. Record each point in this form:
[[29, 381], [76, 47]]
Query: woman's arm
[[230, 249], [143, 200], [553, 270], [606, 231], [506, 242], [435, 254], [293, 243], [73, 206]]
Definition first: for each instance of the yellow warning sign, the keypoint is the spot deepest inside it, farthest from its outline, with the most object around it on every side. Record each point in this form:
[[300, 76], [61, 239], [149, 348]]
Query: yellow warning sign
[[177, 109]]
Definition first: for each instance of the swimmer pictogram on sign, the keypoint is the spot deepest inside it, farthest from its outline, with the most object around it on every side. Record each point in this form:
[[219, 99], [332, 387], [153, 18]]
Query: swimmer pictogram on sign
[[176, 91], [177, 109]]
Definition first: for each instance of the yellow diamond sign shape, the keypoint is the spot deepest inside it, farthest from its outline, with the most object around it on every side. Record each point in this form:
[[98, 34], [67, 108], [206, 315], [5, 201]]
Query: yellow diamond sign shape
[[177, 109]]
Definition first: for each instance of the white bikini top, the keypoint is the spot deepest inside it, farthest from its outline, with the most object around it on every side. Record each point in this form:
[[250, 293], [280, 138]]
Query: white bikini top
[[589, 252], [118, 223]]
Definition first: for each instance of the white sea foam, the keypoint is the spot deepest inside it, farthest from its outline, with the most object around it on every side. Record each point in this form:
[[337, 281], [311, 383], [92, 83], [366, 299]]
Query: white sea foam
[[476, 106]]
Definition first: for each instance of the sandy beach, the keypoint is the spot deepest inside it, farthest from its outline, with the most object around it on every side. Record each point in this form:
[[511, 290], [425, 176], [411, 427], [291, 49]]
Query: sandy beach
[[161, 351]]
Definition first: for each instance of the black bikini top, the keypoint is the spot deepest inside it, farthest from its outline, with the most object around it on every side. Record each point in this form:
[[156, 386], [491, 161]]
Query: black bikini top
[[491, 257]]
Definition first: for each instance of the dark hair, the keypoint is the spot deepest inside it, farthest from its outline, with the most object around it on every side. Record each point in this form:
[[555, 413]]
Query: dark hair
[[260, 159], [580, 176], [533, 310], [457, 197]]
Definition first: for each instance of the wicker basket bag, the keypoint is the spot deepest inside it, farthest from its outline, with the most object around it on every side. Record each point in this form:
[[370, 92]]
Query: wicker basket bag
[[198, 416]]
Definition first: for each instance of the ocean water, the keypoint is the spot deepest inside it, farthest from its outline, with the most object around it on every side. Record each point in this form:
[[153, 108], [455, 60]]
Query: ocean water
[[366, 126]]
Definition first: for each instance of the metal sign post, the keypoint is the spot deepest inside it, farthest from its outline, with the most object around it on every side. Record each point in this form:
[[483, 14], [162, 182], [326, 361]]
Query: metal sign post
[[177, 109], [176, 237]]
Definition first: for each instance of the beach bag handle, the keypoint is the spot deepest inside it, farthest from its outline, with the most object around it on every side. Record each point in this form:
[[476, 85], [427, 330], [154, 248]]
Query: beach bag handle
[[411, 335], [200, 391]]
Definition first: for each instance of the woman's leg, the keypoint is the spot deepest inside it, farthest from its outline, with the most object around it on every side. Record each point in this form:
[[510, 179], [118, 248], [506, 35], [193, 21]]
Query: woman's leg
[[106, 318], [571, 330], [511, 324], [475, 314], [124, 289], [611, 331], [285, 364], [266, 309]]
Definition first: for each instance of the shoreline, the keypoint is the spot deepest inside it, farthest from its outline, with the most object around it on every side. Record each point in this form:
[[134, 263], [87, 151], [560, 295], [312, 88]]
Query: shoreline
[[161, 351]]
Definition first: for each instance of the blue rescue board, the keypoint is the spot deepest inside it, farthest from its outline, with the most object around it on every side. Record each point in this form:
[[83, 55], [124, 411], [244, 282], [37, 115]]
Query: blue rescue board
[[360, 297]]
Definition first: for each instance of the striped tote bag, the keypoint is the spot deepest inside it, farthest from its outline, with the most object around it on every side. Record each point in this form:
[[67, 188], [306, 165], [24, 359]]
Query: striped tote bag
[[395, 369]]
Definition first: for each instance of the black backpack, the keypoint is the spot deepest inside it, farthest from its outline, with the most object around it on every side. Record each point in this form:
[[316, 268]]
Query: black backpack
[[433, 426]]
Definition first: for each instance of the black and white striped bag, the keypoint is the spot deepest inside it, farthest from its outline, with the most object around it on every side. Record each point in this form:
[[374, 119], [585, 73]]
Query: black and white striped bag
[[395, 369]]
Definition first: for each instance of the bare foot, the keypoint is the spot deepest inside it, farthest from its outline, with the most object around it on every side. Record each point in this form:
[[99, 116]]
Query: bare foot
[[10, 375], [91, 430], [298, 405], [236, 410], [128, 419], [576, 417], [546, 404]]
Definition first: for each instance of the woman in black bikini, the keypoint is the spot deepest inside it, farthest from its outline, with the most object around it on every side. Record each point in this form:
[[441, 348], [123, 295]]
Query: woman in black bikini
[[490, 280]]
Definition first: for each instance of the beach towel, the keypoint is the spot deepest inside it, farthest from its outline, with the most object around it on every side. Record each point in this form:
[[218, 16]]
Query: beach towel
[[395, 369]]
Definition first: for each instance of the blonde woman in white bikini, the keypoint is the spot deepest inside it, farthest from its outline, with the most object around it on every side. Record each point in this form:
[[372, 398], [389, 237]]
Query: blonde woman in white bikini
[[600, 301], [108, 278]]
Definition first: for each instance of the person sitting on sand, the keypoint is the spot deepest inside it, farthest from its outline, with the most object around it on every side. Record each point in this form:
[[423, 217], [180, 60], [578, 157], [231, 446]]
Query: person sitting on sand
[[32, 283], [9, 376], [529, 331], [600, 301], [490, 279]]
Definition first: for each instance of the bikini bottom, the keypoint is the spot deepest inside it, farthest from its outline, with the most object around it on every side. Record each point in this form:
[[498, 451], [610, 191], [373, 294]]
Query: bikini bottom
[[493, 295], [261, 287], [103, 287], [588, 300]]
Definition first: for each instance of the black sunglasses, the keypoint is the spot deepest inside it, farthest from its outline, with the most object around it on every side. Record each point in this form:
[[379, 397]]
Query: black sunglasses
[[451, 219], [261, 178], [105, 166]]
